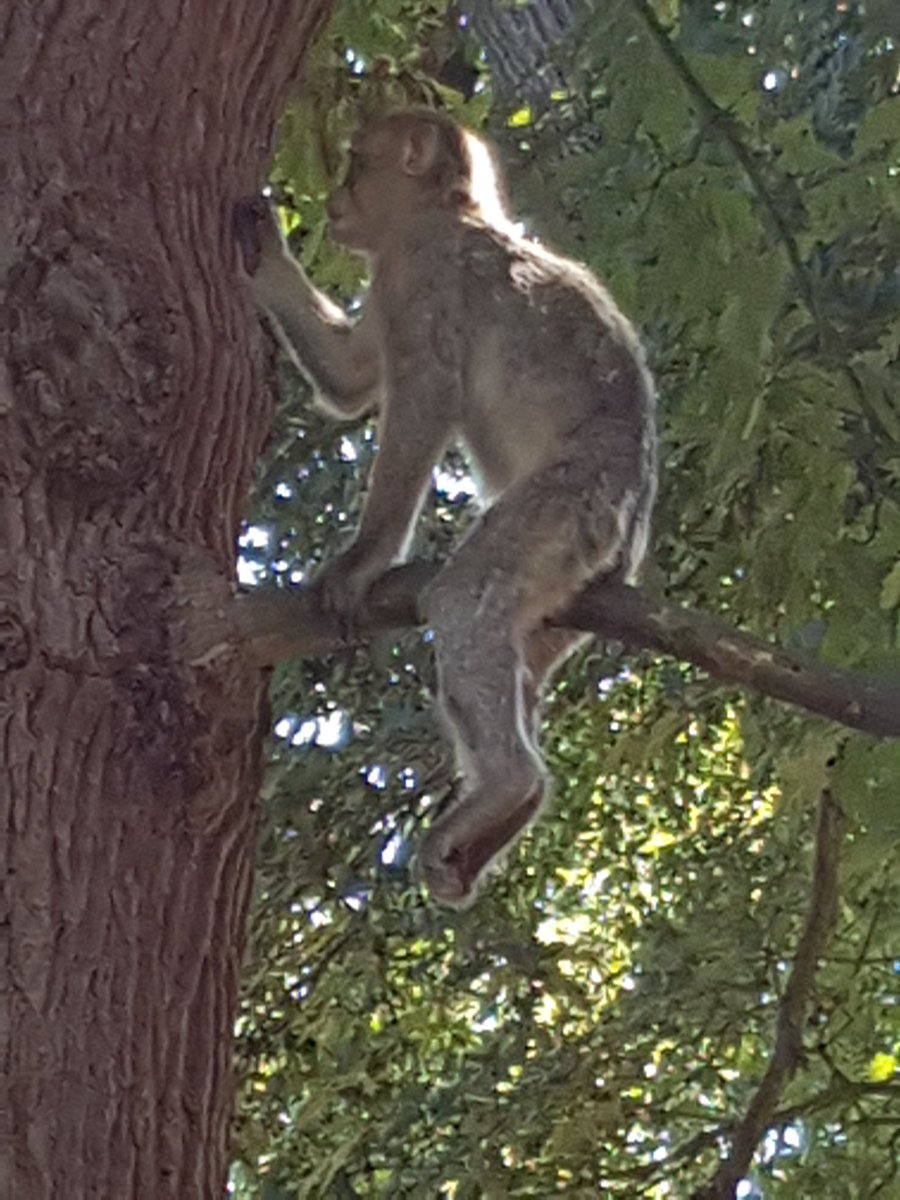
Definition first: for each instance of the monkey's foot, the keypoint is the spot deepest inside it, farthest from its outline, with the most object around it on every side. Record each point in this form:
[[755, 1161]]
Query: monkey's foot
[[463, 842]]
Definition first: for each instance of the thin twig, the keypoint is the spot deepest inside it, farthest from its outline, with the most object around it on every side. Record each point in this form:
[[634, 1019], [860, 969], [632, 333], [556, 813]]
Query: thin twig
[[787, 1054]]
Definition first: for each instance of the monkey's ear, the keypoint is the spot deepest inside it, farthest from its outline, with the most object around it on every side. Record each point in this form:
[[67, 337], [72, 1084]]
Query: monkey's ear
[[421, 148]]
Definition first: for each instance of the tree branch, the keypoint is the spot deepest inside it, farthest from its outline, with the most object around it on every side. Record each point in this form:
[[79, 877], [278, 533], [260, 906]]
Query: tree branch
[[732, 656], [270, 626], [788, 1051]]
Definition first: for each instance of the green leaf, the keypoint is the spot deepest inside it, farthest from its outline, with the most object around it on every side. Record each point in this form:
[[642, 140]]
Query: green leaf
[[800, 149], [882, 1067], [867, 783], [880, 125], [726, 77]]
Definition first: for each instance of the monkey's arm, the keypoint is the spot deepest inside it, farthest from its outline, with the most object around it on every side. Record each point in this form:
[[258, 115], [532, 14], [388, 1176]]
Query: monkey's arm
[[341, 358], [413, 434]]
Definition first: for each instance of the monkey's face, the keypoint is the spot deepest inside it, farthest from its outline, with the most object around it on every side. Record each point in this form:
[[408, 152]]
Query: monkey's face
[[356, 210], [352, 208], [377, 193]]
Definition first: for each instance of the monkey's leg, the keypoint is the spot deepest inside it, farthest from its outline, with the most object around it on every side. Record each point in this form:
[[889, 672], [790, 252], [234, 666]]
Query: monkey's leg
[[481, 678], [532, 552], [494, 725]]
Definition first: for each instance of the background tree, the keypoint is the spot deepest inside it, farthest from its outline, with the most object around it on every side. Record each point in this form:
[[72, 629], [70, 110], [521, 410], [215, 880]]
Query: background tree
[[132, 409], [694, 961]]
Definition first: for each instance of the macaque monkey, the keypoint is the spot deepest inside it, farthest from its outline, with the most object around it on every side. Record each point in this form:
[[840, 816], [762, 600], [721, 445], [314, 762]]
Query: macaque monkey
[[474, 335]]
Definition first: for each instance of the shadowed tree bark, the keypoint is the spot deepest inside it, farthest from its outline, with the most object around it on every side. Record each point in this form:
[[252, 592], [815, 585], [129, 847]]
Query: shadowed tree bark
[[132, 408]]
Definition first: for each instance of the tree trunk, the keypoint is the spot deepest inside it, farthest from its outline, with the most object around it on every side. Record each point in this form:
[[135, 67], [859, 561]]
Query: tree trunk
[[132, 408]]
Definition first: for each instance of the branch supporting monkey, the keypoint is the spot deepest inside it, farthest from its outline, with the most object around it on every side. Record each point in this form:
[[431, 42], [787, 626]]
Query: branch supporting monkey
[[473, 335]]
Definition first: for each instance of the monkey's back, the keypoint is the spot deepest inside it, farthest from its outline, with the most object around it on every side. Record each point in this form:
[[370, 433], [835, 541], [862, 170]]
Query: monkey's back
[[550, 357]]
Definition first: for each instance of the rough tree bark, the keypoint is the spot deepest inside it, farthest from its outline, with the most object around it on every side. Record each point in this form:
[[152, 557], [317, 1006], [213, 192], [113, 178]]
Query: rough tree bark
[[132, 408]]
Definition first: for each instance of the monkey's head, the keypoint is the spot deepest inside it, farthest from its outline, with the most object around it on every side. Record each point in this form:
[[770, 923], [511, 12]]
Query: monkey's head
[[408, 162]]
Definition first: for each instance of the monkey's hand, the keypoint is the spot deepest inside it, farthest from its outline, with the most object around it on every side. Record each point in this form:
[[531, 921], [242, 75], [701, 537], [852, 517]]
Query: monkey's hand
[[341, 585], [257, 233]]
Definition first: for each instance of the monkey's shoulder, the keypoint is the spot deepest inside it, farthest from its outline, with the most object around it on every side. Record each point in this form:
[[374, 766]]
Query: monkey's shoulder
[[495, 257], [548, 296]]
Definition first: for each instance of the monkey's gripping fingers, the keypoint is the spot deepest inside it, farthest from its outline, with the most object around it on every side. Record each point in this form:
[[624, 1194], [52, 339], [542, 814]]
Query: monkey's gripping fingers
[[341, 585], [256, 232]]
